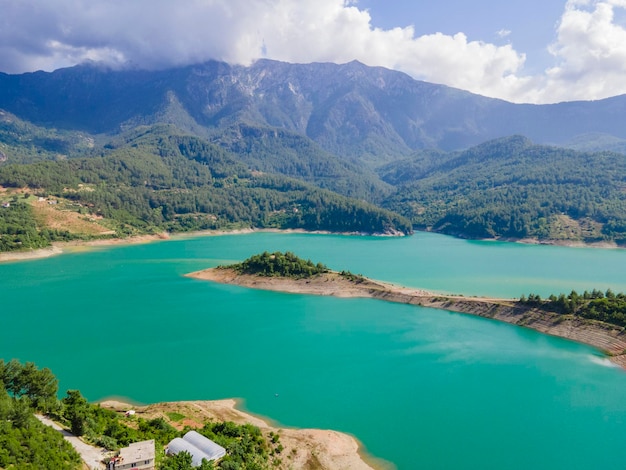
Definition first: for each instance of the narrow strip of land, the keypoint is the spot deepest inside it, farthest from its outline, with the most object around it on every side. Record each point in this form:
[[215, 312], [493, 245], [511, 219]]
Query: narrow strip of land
[[608, 338]]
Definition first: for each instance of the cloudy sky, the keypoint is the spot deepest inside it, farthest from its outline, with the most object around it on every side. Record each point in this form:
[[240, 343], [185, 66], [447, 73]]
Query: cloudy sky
[[537, 51]]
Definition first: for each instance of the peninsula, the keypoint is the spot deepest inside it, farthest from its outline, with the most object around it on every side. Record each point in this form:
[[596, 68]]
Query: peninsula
[[266, 271]]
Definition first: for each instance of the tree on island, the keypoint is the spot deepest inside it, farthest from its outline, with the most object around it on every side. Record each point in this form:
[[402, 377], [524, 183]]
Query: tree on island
[[279, 264]]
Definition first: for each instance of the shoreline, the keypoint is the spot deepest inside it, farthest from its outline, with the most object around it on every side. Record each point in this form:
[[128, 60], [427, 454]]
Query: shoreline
[[58, 248], [303, 448], [609, 339]]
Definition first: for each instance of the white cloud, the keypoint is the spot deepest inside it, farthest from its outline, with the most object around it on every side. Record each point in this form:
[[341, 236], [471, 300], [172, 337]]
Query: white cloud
[[589, 53]]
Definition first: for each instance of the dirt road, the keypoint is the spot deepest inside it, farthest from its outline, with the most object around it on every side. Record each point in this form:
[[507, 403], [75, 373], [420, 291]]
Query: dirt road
[[91, 455]]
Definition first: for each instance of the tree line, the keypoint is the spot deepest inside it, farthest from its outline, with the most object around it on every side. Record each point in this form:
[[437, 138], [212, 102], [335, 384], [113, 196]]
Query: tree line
[[606, 307]]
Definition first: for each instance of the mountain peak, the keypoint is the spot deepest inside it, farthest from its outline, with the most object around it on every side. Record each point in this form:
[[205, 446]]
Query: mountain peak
[[352, 110]]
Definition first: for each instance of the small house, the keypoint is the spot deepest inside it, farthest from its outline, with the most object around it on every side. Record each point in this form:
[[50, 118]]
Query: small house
[[138, 455]]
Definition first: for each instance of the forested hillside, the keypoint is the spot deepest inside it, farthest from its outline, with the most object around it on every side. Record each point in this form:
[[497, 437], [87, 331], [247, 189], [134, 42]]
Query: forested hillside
[[157, 179], [312, 146], [291, 154], [513, 188], [23, 142]]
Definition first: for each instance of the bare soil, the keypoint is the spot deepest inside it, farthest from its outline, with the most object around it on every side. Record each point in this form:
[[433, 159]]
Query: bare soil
[[55, 217], [310, 449]]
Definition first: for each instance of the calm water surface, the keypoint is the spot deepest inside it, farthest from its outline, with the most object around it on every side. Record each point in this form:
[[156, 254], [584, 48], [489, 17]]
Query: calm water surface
[[420, 388]]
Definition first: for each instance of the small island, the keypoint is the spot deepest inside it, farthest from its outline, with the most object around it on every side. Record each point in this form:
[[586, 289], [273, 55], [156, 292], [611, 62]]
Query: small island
[[286, 272]]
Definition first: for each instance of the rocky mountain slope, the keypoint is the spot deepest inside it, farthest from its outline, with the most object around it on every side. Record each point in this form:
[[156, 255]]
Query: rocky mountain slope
[[367, 113]]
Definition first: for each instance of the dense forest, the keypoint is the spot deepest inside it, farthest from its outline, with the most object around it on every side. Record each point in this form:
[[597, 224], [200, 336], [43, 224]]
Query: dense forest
[[156, 179], [25, 443], [606, 307], [288, 153], [511, 188], [279, 264], [23, 142]]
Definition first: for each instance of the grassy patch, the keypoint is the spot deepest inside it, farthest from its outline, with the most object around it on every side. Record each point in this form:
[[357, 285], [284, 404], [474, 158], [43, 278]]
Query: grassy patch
[[174, 416]]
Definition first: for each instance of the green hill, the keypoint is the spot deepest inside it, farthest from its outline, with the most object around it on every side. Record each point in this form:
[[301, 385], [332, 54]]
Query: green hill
[[291, 154], [512, 188], [23, 142], [157, 178]]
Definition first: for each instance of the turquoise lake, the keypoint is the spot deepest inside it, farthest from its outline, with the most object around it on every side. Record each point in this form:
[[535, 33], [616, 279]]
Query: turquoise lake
[[419, 388]]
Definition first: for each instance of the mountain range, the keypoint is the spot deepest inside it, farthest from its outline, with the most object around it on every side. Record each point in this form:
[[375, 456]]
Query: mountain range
[[351, 110], [435, 154]]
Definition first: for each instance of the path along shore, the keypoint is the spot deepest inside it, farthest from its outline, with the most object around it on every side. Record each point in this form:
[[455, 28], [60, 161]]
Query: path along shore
[[608, 338]]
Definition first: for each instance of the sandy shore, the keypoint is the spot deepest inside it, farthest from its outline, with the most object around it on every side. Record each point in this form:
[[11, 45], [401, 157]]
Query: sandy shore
[[608, 338], [303, 448]]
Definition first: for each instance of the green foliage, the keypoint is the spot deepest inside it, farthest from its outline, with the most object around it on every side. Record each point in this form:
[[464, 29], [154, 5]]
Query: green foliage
[[23, 142], [246, 448], [514, 189], [180, 461], [107, 429], [25, 443], [19, 230], [279, 264], [288, 153], [173, 416], [38, 386], [358, 278], [156, 179], [76, 410], [595, 305]]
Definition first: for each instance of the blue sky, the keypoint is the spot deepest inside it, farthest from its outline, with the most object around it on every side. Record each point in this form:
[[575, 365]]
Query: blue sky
[[529, 25], [528, 51]]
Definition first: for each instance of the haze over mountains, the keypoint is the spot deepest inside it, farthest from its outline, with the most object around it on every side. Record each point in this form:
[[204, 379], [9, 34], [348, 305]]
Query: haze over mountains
[[444, 158]]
